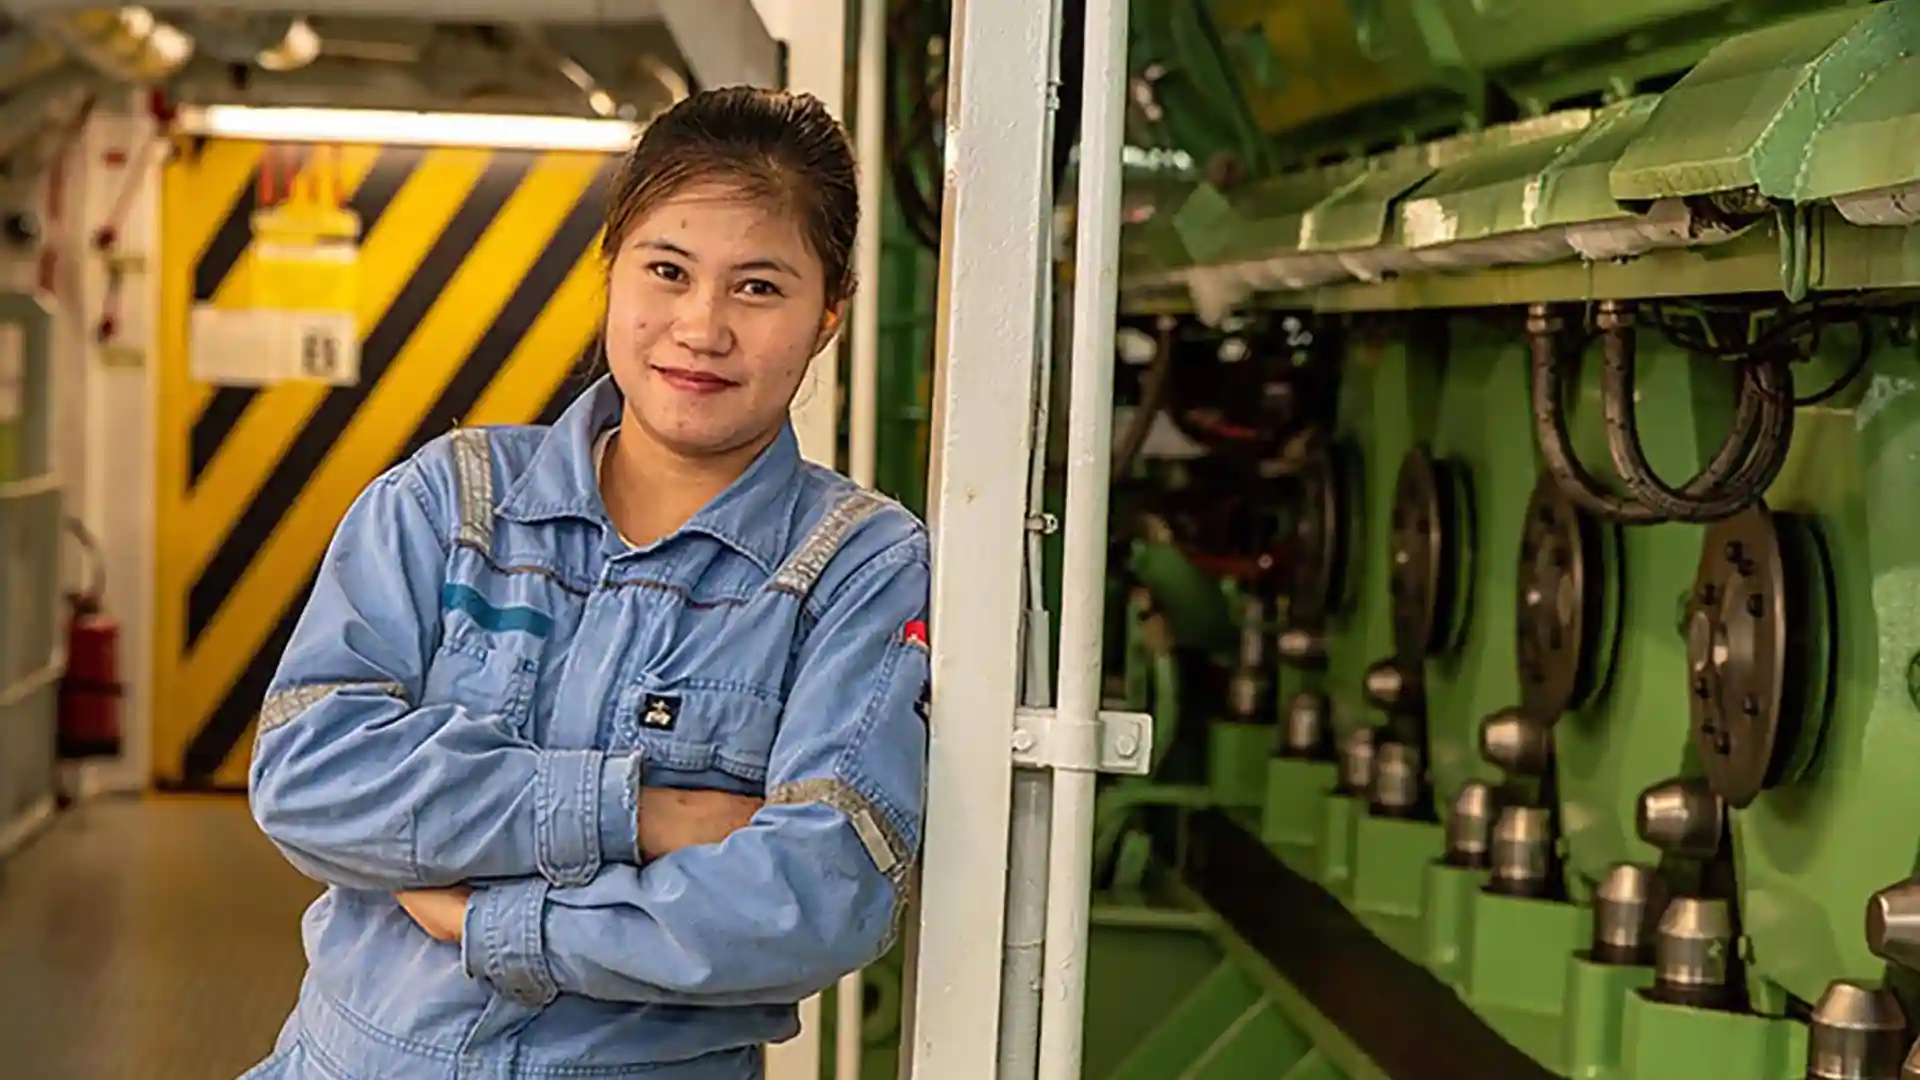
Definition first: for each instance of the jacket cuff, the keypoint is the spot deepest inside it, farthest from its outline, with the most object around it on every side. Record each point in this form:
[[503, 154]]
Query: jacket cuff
[[567, 830], [504, 941], [620, 776]]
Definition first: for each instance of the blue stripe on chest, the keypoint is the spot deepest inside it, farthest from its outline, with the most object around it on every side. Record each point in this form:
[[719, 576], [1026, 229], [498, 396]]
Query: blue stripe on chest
[[494, 619]]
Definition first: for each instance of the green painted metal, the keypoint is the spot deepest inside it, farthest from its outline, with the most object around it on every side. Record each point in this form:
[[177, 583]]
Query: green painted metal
[[906, 368], [1360, 214], [1324, 77], [1810, 853], [1596, 1004], [1635, 733], [1746, 116], [1290, 822], [1575, 190], [1485, 195], [1481, 373], [1192, 602], [1202, 107], [1872, 140], [1778, 120], [1515, 974], [1447, 922], [1337, 850], [1357, 216], [1672, 1042], [1238, 754], [1547, 183], [1390, 856]]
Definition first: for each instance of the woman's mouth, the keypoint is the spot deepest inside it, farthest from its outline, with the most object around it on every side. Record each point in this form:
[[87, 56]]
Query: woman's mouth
[[693, 382]]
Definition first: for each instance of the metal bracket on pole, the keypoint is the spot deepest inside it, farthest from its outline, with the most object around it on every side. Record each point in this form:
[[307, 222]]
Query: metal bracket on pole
[[1123, 745]]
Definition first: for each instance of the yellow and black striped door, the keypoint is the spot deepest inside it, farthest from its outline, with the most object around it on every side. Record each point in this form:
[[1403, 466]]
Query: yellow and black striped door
[[479, 290]]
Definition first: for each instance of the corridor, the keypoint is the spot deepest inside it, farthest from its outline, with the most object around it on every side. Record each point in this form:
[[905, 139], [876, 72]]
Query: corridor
[[146, 939]]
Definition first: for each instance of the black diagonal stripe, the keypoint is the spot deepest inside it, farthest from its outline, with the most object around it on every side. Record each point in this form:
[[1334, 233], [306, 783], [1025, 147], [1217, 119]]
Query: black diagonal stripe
[[230, 240], [563, 252], [317, 438], [370, 200], [241, 703], [575, 236]]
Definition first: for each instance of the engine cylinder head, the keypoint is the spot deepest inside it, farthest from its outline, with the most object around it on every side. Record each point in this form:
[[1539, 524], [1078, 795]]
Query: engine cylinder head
[[1516, 742], [1858, 1032], [1626, 914], [1309, 717], [1470, 825], [1396, 779], [1387, 686], [1522, 851], [1300, 646], [1682, 817], [1691, 952], [1893, 924], [1356, 763]]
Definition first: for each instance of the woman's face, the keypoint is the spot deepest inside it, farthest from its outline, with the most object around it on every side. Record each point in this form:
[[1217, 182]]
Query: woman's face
[[714, 306]]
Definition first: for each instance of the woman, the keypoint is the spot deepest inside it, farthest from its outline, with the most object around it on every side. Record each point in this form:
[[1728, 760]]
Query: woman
[[547, 675]]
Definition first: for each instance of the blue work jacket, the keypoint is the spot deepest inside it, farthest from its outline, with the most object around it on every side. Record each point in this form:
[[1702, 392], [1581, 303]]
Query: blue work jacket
[[484, 678]]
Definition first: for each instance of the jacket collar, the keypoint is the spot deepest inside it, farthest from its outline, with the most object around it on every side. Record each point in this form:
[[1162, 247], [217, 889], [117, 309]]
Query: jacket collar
[[754, 515]]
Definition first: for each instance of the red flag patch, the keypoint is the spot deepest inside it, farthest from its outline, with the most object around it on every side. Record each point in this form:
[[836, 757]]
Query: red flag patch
[[915, 633]]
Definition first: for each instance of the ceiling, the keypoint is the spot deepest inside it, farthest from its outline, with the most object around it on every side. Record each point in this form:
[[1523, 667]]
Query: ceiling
[[624, 59]]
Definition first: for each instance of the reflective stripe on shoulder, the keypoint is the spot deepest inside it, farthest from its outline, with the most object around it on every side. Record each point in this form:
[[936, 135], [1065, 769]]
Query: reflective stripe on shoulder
[[801, 572], [473, 477], [884, 844], [282, 707]]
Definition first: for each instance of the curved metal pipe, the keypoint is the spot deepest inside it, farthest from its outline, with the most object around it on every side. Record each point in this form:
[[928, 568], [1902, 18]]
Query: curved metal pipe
[[1746, 463], [1550, 429], [1761, 436]]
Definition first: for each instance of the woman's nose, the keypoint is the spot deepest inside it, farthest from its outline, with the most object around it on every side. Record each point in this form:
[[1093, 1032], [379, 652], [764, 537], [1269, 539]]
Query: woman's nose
[[700, 322]]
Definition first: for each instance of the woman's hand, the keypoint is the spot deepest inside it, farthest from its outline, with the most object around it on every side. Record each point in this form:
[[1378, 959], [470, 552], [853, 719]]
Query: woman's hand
[[674, 818], [442, 913], [670, 819]]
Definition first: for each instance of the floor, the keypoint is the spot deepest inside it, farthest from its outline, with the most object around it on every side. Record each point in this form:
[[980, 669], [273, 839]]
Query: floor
[[146, 939]]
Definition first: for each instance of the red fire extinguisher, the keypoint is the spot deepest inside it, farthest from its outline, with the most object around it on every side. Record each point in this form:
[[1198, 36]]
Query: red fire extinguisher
[[90, 691]]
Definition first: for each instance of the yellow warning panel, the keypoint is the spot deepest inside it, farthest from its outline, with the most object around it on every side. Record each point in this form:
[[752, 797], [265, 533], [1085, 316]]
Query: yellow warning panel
[[474, 291]]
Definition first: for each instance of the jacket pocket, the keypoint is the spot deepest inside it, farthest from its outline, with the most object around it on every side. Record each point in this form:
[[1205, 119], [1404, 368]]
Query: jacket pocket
[[487, 671], [695, 727]]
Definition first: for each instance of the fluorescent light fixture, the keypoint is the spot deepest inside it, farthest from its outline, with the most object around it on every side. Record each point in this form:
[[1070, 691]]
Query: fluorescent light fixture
[[426, 129]]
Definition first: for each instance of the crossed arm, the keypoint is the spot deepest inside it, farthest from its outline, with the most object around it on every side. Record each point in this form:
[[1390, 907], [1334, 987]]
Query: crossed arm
[[554, 870]]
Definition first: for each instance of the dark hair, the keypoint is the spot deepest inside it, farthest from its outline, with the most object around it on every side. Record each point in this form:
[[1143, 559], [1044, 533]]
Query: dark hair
[[777, 147]]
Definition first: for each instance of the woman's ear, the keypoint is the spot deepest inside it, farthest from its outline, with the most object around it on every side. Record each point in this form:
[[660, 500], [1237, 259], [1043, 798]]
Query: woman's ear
[[829, 324]]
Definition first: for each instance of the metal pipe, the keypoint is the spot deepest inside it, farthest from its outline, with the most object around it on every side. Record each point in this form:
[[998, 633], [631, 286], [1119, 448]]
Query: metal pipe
[[1030, 825], [995, 192], [869, 127], [1083, 576]]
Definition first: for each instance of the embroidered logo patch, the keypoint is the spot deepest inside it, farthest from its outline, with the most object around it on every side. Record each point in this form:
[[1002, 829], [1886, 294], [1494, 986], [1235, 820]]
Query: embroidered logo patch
[[659, 711], [915, 633]]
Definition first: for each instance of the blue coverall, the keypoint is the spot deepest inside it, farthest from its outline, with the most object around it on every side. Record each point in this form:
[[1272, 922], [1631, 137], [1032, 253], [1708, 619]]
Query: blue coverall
[[483, 679]]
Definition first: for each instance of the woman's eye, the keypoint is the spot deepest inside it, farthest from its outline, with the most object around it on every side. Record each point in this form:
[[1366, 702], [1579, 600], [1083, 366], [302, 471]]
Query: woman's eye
[[758, 288], [666, 271]]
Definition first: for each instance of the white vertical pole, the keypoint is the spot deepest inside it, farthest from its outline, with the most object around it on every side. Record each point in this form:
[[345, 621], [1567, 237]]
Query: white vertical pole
[[1076, 727], [815, 34], [863, 436], [870, 133], [993, 226]]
